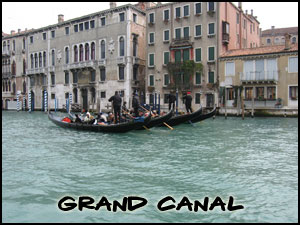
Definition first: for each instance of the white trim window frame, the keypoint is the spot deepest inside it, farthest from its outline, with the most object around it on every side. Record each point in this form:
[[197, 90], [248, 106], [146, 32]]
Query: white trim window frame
[[164, 83], [149, 39], [149, 59], [100, 50], [200, 30], [208, 53], [151, 75], [189, 10], [183, 31], [153, 17], [164, 19], [296, 65], [208, 7], [180, 32], [164, 57], [226, 75], [195, 8], [213, 71], [180, 16], [164, 37], [200, 54], [214, 28], [103, 17], [119, 47]]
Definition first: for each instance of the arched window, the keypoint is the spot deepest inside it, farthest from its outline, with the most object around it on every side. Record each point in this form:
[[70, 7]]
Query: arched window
[[44, 58], [35, 60], [93, 51], [24, 87], [23, 43], [9, 86], [40, 59], [294, 40], [53, 57], [93, 95], [6, 86], [13, 68], [87, 51], [75, 53], [102, 49], [67, 55], [31, 60], [135, 46], [122, 46], [14, 88], [75, 95], [80, 53], [24, 66], [4, 46]]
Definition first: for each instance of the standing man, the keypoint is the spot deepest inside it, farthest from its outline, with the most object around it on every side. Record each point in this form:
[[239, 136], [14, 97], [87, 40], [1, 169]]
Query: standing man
[[172, 100], [116, 99], [188, 102], [135, 105]]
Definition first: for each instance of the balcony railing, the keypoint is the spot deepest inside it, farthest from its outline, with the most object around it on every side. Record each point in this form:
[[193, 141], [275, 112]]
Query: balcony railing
[[36, 70], [6, 75], [101, 62], [80, 65], [259, 76], [225, 38]]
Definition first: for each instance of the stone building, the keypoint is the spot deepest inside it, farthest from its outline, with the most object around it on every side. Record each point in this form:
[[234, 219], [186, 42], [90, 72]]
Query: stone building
[[198, 31], [275, 36], [264, 78], [86, 59]]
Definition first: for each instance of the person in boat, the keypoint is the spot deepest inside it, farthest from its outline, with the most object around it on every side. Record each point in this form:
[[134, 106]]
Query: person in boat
[[124, 107], [171, 97], [135, 104], [154, 114], [117, 101], [110, 118], [188, 102], [77, 119]]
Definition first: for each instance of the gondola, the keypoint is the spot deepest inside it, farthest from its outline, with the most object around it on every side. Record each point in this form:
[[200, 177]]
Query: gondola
[[204, 116], [175, 120], [112, 128], [158, 120]]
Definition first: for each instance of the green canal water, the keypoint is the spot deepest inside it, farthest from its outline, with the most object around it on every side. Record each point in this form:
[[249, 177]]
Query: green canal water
[[253, 160]]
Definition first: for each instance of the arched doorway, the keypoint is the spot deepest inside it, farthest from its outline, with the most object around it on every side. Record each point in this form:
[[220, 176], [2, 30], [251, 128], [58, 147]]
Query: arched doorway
[[6, 103], [84, 94]]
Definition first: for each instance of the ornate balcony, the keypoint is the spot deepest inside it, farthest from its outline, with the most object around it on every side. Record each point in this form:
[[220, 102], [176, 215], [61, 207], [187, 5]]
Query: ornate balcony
[[225, 38], [41, 70], [259, 77]]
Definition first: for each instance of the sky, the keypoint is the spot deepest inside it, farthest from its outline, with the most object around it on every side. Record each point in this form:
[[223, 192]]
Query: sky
[[21, 15]]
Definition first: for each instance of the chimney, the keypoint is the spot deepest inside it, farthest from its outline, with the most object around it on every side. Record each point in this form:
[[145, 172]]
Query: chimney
[[112, 5], [12, 32], [251, 12], [240, 5], [273, 27], [246, 12], [19, 31], [60, 18], [287, 41]]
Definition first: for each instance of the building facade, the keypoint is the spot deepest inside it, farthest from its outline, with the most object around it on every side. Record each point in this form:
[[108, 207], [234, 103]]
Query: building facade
[[275, 36], [198, 31], [264, 78]]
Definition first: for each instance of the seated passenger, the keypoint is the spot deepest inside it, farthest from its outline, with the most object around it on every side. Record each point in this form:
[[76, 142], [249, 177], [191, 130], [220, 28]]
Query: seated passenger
[[77, 119]]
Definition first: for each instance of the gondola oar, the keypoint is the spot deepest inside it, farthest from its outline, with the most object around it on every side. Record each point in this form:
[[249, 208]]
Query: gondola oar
[[133, 118]]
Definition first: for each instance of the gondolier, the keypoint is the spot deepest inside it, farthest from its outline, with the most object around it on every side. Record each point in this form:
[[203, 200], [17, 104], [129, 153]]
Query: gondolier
[[135, 105], [188, 102], [116, 100]]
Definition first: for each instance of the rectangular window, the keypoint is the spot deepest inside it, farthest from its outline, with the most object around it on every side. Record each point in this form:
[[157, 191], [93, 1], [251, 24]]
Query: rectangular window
[[122, 17], [198, 78], [102, 74], [293, 93], [166, 98], [186, 32], [177, 12], [229, 69], [186, 10], [135, 73], [211, 6], [52, 79], [237, 18], [151, 99], [151, 17], [230, 93], [151, 59], [53, 34], [293, 64], [86, 25], [260, 92], [67, 30], [177, 33], [198, 31], [103, 94], [166, 14], [121, 73], [211, 28], [44, 36], [166, 79], [134, 16], [198, 54], [211, 77], [248, 93], [93, 75], [66, 77], [75, 77], [271, 93], [197, 98], [31, 39], [52, 96], [103, 21], [166, 57], [178, 56], [76, 28], [198, 9], [186, 54], [92, 24], [81, 26], [151, 38], [151, 80], [211, 53], [166, 35]]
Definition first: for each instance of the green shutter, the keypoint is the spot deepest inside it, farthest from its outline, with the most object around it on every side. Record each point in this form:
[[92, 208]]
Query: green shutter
[[186, 54], [186, 32], [177, 56], [198, 30], [151, 59], [177, 33], [151, 80], [198, 54], [166, 80], [198, 78], [211, 77], [166, 57], [211, 53]]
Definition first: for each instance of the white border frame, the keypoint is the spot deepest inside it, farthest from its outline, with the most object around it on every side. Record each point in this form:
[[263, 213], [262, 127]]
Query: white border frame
[[195, 30], [195, 55], [208, 53], [195, 8]]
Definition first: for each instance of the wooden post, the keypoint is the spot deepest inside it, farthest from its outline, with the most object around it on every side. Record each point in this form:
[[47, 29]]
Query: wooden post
[[242, 102], [225, 105], [238, 103], [252, 110]]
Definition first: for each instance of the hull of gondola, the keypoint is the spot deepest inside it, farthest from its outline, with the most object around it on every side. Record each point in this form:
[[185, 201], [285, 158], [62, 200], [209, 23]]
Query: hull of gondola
[[112, 128], [159, 120], [204, 116], [176, 120]]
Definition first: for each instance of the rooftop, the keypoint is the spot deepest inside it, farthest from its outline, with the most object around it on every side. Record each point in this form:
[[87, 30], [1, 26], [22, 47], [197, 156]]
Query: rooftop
[[280, 31]]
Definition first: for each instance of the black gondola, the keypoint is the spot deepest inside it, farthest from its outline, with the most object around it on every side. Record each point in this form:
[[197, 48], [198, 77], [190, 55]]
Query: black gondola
[[159, 120], [204, 116], [112, 128], [175, 120]]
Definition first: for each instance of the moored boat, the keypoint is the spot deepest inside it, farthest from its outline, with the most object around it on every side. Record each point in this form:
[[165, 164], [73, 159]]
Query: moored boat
[[157, 121], [112, 128], [204, 116]]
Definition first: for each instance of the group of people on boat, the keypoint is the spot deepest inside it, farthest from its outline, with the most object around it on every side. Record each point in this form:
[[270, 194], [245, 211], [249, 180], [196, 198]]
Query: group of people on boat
[[187, 100]]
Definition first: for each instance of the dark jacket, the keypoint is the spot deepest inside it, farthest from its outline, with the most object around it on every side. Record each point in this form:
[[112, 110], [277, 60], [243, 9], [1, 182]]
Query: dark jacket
[[116, 99], [135, 102], [188, 99], [172, 98]]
